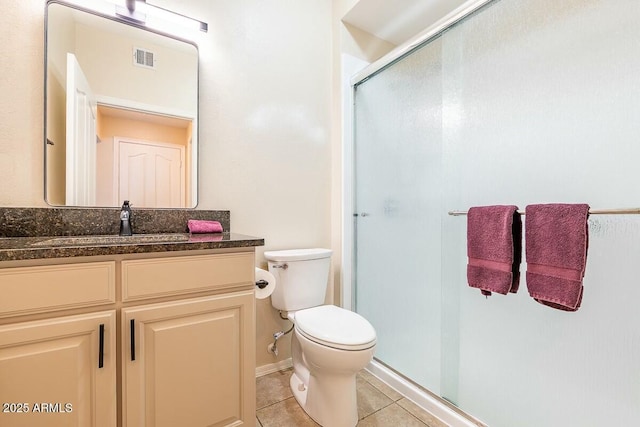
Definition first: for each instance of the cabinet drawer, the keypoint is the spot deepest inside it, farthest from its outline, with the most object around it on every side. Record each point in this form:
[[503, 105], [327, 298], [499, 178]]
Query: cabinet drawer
[[27, 290], [151, 278]]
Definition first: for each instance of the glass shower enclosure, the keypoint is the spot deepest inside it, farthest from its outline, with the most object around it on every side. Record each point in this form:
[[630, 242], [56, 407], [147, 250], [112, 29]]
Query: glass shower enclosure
[[522, 102], [398, 176]]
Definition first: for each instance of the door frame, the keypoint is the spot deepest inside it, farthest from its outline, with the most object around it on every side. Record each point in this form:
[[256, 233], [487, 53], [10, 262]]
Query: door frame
[[350, 66], [81, 138]]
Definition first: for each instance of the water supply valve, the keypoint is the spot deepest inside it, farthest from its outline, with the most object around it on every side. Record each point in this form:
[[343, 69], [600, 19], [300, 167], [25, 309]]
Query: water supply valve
[[272, 348]]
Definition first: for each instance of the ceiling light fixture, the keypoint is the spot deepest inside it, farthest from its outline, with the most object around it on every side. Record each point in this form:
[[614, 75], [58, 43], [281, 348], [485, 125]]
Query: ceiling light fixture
[[143, 14]]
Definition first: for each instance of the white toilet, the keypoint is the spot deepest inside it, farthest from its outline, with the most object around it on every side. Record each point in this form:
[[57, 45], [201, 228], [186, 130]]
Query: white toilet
[[329, 344]]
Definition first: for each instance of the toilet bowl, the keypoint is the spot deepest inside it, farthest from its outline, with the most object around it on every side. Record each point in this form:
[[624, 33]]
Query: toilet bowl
[[329, 346], [326, 359]]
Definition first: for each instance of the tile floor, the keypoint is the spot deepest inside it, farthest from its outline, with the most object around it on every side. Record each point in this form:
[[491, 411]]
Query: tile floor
[[378, 405]]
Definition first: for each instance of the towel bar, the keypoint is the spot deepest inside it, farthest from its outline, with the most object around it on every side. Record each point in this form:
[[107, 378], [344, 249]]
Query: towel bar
[[626, 211]]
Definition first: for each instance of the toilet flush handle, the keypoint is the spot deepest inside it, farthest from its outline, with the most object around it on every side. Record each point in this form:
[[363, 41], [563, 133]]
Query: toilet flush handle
[[282, 266]]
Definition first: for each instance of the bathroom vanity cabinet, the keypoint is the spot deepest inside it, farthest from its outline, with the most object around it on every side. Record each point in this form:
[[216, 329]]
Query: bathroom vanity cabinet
[[157, 339], [189, 362]]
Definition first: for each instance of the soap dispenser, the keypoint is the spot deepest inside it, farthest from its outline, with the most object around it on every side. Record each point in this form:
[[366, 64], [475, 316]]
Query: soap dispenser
[[125, 219]]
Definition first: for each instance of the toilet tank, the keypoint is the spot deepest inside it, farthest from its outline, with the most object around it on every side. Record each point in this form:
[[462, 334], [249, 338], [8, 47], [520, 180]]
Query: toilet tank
[[301, 277]]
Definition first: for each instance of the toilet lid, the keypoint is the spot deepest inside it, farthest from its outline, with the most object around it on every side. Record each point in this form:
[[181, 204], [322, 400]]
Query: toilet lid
[[298, 254], [335, 327]]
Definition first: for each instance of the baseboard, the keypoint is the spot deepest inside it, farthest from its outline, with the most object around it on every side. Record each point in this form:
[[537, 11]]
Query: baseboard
[[428, 402], [273, 367]]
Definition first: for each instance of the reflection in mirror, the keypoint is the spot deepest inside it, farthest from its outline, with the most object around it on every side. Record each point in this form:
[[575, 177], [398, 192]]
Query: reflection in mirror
[[120, 115]]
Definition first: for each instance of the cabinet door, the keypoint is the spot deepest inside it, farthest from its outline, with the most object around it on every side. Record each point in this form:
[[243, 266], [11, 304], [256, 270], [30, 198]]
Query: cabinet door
[[53, 373], [190, 363]]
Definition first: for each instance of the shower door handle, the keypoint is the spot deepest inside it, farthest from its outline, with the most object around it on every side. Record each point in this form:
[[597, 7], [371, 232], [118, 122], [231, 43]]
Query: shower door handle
[[362, 214]]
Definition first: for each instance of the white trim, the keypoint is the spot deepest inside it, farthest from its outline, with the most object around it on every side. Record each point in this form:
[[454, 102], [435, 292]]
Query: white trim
[[448, 20], [418, 396], [128, 104], [273, 367], [350, 66], [115, 173]]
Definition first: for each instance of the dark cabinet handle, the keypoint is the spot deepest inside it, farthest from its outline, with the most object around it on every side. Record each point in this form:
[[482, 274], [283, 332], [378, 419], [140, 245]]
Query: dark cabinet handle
[[133, 339], [101, 347]]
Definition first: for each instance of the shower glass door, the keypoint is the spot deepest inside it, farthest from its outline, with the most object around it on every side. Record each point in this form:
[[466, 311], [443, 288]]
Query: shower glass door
[[398, 213]]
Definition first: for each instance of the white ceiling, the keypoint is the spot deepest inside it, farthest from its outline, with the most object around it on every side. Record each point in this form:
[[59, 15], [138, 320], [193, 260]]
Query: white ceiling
[[397, 21]]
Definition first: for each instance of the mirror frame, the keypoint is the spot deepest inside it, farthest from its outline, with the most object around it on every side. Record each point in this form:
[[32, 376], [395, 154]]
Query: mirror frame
[[195, 181]]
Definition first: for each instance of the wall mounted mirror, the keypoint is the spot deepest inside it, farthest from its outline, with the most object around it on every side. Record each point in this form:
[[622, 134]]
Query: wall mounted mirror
[[121, 111]]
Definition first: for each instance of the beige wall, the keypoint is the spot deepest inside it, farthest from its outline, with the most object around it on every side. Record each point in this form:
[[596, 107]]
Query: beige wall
[[270, 149], [21, 105]]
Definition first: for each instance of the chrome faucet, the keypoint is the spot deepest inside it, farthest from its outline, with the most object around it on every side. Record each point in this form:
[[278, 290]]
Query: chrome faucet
[[125, 219]]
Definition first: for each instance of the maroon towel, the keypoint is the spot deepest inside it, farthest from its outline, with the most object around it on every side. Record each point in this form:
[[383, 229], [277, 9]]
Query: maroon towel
[[203, 226], [494, 248], [557, 237]]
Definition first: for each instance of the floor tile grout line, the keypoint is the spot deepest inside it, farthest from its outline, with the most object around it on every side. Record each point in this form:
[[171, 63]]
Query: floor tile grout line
[[377, 410], [401, 408], [417, 419], [274, 403], [382, 391]]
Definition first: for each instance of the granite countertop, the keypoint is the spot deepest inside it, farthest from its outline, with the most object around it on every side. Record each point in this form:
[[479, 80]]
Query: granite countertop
[[38, 233], [26, 248]]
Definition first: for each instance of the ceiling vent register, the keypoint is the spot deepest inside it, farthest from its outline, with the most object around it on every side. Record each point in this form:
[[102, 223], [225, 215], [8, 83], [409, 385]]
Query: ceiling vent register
[[144, 58]]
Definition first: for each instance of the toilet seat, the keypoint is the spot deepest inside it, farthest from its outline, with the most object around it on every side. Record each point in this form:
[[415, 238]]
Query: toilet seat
[[335, 327]]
